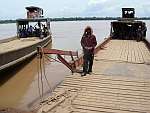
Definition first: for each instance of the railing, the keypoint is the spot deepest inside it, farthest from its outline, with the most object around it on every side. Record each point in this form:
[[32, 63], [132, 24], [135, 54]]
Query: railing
[[44, 51], [75, 62]]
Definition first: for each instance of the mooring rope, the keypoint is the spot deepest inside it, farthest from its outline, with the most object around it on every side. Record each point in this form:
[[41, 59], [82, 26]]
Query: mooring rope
[[39, 90], [41, 78], [44, 72], [41, 74], [54, 59]]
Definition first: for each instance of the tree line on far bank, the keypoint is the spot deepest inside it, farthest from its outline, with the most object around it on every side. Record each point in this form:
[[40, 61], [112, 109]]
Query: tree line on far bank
[[79, 19]]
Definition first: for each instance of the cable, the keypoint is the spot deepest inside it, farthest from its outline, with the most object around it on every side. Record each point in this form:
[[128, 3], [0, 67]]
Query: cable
[[39, 78], [44, 72], [42, 86], [48, 58], [41, 74]]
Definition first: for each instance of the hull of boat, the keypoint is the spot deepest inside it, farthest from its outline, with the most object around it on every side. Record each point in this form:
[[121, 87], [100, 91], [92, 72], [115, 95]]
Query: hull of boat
[[13, 57]]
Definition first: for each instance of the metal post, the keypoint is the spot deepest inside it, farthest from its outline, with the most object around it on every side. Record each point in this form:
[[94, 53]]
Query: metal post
[[39, 52]]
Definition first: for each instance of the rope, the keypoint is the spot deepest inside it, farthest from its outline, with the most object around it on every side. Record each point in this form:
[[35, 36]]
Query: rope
[[41, 74], [48, 58], [66, 97], [39, 78], [44, 72]]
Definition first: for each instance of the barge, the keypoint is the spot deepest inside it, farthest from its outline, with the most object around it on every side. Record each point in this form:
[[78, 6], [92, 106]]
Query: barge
[[120, 82], [31, 32]]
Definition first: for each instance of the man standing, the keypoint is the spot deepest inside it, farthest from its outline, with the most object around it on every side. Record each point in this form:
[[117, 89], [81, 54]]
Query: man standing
[[88, 43]]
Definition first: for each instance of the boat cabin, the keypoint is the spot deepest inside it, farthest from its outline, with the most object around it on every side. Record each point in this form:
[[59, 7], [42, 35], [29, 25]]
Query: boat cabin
[[127, 28], [39, 27], [128, 12], [34, 12], [35, 25]]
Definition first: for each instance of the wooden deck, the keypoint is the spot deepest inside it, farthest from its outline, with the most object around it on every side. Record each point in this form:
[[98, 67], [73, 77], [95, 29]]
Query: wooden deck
[[18, 50], [125, 50], [17, 44], [120, 83]]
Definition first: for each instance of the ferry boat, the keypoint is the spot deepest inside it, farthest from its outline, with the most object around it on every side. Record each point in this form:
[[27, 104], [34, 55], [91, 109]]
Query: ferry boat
[[120, 82], [126, 28], [31, 32]]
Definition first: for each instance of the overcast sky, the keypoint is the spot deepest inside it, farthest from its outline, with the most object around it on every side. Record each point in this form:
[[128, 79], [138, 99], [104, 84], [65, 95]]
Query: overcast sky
[[12, 9]]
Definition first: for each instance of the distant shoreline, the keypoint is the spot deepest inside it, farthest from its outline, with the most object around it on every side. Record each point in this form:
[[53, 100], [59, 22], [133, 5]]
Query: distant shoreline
[[78, 19]]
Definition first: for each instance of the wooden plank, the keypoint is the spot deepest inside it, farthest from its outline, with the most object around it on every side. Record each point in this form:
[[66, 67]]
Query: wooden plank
[[18, 43], [129, 52], [113, 104], [145, 52], [94, 83], [101, 79], [126, 50], [108, 93], [109, 89], [113, 100], [104, 77], [128, 98], [100, 93], [117, 106], [82, 110], [119, 51], [140, 54], [99, 109], [137, 52], [122, 51]]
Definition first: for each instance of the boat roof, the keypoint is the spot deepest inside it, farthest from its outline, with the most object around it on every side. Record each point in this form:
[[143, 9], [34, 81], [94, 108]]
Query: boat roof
[[128, 9], [128, 18], [128, 22], [26, 21], [33, 20], [33, 8]]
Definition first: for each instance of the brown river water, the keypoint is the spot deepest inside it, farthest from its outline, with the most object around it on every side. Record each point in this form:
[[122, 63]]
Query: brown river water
[[19, 85]]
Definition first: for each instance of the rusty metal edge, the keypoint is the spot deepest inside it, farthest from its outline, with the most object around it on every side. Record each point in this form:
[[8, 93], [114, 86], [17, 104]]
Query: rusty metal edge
[[147, 43]]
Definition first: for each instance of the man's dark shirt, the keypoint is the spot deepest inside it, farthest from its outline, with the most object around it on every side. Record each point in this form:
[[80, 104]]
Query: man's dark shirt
[[88, 41]]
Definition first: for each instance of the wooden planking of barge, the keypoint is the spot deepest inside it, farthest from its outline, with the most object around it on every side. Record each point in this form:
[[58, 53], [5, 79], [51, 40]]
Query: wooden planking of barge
[[120, 82]]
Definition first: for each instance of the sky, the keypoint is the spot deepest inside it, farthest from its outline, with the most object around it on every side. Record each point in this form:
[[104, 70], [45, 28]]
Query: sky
[[13, 9]]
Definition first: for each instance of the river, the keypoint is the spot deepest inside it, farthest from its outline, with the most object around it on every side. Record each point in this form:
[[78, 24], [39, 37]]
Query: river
[[19, 86]]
